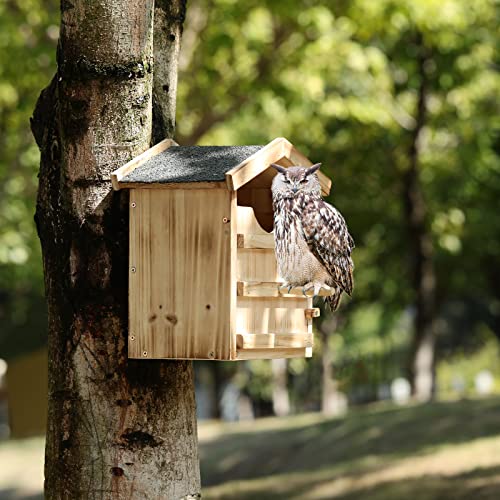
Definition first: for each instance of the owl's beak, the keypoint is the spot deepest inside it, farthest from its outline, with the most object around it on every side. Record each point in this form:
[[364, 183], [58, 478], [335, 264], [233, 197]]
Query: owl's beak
[[295, 189]]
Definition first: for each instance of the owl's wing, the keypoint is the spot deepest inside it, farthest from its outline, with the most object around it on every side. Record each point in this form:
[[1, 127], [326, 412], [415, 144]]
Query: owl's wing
[[329, 240]]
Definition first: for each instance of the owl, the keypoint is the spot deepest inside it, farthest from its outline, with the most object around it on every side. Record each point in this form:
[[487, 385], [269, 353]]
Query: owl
[[313, 246]]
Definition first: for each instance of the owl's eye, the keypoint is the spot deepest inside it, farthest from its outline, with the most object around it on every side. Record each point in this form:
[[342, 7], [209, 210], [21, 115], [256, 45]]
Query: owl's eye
[[303, 181], [287, 180]]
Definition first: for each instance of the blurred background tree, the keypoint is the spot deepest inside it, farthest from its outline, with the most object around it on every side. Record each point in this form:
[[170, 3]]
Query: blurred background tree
[[28, 38], [398, 99]]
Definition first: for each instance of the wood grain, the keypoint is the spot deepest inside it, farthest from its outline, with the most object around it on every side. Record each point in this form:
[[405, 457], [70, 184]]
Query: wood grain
[[179, 294], [274, 340], [262, 241], [277, 315], [254, 165], [276, 353], [312, 313], [270, 289]]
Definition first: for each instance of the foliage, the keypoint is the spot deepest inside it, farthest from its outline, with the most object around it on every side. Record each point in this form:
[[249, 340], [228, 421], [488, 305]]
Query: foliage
[[28, 37], [339, 80]]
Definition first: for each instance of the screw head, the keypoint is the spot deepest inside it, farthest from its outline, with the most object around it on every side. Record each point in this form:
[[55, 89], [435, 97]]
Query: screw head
[[225, 220], [133, 269], [145, 353], [133, 205], [211, 355], [132, 337]]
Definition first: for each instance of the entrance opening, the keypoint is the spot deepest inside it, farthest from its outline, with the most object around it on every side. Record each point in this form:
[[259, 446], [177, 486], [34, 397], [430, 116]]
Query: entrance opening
[[257, 194]]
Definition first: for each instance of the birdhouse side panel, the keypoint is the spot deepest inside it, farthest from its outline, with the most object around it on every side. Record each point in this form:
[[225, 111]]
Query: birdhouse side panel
[[180, 279], [268, 324]]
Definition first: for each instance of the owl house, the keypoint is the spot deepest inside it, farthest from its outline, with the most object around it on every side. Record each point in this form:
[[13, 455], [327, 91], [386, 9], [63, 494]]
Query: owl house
[[203, 280]]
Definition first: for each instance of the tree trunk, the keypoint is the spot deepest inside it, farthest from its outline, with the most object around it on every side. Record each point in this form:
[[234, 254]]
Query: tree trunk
[[421, 366], [116, 428], [281, 400], [333, 403]]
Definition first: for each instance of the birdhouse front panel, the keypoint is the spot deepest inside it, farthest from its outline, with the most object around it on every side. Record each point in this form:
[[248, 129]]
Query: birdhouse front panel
[[203, 280], [180, 274]]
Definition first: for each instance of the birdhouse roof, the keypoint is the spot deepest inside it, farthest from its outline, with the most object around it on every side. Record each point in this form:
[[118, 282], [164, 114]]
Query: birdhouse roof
[[191, 164], [168, 165]]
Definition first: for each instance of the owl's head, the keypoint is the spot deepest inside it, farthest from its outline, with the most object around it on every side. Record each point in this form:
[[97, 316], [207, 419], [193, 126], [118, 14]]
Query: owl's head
[[292, 181]]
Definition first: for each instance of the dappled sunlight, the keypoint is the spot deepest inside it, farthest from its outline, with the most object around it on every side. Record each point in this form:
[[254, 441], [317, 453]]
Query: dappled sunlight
[[373, 448]]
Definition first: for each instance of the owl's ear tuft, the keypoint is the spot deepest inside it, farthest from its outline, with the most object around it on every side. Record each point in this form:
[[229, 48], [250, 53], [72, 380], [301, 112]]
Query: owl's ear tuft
[[313, 169], [279, 168]]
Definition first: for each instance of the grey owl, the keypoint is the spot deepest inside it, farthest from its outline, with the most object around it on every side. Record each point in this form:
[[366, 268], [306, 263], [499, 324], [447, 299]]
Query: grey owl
[[313, 246]]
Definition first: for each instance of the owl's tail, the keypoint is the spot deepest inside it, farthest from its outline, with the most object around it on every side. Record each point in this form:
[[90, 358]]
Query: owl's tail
[[333, 301]]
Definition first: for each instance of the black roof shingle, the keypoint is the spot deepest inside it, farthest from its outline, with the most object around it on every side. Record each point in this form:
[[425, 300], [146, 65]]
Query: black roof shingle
[[190, 164]]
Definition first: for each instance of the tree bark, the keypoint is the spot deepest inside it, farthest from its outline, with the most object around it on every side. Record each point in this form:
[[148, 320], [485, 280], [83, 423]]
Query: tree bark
[[281, 399], [333, 403], [116, 428], [422, 360]]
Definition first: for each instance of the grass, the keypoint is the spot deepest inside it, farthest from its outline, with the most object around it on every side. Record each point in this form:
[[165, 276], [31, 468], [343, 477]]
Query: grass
[[440, 451]]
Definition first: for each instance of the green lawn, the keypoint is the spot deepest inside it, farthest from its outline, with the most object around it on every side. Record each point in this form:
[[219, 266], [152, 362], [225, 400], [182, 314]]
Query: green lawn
[[442, 451]]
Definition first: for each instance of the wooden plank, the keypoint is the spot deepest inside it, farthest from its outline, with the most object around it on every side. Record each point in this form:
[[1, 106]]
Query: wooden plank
[[271, 315], [253, 341], [233, 223], [257, 264], [180, 278], [256, 241], [312, 313], [255, 164], [270, 289], [248, 354], [297, 158], [173, 185], [247, 223], [273, 340], [129, 167]]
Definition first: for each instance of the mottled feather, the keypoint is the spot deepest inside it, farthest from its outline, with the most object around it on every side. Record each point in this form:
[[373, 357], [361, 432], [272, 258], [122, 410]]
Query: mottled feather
[[325, 231], [312, 243]]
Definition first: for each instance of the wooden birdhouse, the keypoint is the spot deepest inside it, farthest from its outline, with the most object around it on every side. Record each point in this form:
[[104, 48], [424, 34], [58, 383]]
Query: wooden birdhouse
[[203, 280]]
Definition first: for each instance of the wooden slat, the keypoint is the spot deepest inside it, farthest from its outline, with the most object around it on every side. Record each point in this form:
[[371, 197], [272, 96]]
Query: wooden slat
[[271, 315], [270, 289], [293, 340], [179, 287], [255, 164], [277, 353], [129, 167], [297, 158], [273, 340], [253, 341], [312, 313], [257, 264], [173, 185], [233, 298], [256, 241]]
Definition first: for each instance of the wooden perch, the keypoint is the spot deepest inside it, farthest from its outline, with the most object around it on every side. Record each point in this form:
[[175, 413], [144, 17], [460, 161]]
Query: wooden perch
[[255, 241], [312, 313], [272, 340], [270, 289]]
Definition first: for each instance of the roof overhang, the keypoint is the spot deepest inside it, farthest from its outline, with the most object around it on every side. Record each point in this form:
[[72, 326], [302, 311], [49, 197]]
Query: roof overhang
[[275, 151], [278, 151]]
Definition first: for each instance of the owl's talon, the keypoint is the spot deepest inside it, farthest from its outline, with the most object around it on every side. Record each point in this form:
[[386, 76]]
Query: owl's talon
[[287, 286]]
